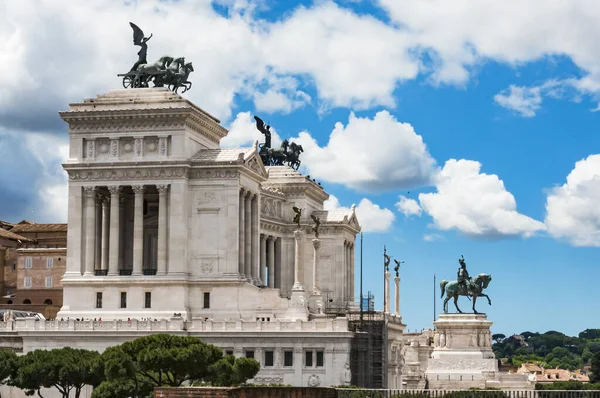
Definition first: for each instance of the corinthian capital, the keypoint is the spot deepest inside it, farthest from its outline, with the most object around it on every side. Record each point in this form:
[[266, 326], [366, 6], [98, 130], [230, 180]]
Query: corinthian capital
[[90, 192], [138, 189], [162, 189], [114, 189]]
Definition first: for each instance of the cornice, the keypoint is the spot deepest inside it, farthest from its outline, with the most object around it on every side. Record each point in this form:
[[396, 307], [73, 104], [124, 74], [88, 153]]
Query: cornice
[[126, 175]]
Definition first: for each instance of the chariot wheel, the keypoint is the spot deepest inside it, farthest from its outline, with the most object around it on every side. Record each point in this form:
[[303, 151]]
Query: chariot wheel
[[128, 81]]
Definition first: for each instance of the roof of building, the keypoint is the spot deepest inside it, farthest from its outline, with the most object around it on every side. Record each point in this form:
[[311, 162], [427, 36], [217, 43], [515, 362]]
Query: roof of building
[[6, 224], [220, 154], [34, 227], [333, 216], [531, 367], [12, 236]]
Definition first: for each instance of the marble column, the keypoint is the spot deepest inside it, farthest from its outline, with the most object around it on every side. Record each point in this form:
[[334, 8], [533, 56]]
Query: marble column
[[297, 285], [397, 301], [277, 266], [386, 307], [258, 281], [113, 254], [242, 235], [105, 232], [271, 261], [162, 230], [90, 229], [122, 232], [98, 246], [248, 236], [352, 271], [316, 246], [138, 229], [263, 259]]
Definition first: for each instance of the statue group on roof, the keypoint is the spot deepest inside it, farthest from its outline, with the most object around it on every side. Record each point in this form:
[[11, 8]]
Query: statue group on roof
[[167, 71], [288, 153]]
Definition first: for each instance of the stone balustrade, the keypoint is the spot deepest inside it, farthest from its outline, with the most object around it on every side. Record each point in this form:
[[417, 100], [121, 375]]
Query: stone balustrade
[[176, 324]]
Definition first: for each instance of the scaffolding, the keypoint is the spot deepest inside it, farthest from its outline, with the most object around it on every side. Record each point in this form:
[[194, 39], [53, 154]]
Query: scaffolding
[[368, 349]]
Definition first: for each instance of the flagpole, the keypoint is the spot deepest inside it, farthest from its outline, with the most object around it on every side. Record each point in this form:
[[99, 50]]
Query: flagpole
[[434, 298]]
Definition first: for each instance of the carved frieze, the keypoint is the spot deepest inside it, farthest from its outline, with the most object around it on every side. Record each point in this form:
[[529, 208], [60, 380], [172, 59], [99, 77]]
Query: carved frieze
[[205, 198], [142, 174], [213, 174], [114, 148], [314, 381], [91, 149], [139, 145], [162, 146], [207, 265], [151, 145], [269, 380], [127, 146]]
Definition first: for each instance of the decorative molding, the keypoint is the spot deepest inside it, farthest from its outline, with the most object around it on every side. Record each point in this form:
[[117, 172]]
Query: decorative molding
[[114, 189], [91, 149], [139, 147], [137, 174], [205, 198], [89, 192], [162, 146], [127, 145], [213, 174], [162, 188], [114, 148], [269, 380], [207, 265], [138, 189], [151, 144], [314, 381]]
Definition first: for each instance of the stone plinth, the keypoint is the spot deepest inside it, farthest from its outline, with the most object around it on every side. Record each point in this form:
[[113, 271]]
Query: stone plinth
[[462, 356]]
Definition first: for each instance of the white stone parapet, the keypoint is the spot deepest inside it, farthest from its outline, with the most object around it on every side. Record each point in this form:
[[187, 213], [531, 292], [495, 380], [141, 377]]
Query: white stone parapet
[[176, 324]]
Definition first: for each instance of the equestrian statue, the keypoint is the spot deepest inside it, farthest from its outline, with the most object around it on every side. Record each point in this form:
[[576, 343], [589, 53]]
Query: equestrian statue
[[166, 71], [288, 153], [465, 286]]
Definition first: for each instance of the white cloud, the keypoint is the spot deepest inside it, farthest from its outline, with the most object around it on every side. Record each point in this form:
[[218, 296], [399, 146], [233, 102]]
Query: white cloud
[[432, 237], [369, 154], [523, 100], [371, 217], [408, 207], [243, 132], [474, 203], [283, 95], [572, 210]]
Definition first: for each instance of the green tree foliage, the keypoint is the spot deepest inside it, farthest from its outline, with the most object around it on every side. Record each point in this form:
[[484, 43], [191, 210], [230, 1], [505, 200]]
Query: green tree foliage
[[135, 368], [498, 337], [8, 366], [66, 369], [551, 349], [595, 368]]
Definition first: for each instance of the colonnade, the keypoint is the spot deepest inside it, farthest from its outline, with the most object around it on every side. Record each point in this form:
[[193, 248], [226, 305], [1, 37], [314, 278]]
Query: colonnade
[[103, 234], [249, 218], [270, 260]]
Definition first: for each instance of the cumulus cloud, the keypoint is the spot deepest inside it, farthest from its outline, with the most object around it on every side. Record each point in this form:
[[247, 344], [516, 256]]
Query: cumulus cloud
[[523, 100], [432, 237], [369, 154], [572, 211], [475, 203], [408, 207], [371, 217], [243, 132]]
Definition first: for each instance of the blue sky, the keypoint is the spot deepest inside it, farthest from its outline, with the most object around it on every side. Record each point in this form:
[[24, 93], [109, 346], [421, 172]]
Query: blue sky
[[453, 126]]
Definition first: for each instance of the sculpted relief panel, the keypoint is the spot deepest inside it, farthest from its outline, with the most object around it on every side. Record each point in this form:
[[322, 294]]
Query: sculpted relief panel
[[111, 149]]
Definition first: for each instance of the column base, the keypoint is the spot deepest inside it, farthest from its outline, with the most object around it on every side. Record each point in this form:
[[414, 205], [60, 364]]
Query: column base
[[298, 287], [298, 309]]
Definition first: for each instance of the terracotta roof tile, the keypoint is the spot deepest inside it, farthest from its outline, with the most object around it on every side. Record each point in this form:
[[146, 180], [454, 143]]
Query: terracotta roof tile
[[333, 216], [12, 236], [39, 228]]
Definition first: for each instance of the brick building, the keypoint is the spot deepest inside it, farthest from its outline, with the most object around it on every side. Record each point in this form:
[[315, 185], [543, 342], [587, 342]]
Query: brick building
[[33, 259]]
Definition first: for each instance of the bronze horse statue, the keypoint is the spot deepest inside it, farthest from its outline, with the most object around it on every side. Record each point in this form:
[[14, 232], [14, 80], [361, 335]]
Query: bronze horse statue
[[454, 289]]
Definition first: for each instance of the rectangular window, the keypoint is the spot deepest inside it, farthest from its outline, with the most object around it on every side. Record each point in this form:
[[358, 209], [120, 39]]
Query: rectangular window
[[123, 300], [206, 300], [98, 299], [27, 282], [49, 262], [320, 359], [27, 262], [269, 358], [250, 354], [288, 358], [229, 352], [48, 281], [148, 300], [308, 361], [14, 267]]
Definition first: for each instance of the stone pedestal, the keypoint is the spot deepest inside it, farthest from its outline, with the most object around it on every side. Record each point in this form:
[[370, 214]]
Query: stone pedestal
[[387, 304], [298, 306], [462, 357], [316, 297]]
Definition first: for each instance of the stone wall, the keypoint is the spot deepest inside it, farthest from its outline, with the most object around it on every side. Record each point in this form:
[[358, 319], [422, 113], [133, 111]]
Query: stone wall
[[244, 392]]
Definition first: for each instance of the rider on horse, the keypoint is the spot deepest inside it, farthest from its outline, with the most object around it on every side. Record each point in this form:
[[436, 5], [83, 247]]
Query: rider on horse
[[463, 277]]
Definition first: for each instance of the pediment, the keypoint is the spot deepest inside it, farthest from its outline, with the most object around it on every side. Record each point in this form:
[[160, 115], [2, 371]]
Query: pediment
[[254, 163]]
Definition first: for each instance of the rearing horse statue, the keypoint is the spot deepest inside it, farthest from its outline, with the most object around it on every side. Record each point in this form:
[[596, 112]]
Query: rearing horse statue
[[454, 289]]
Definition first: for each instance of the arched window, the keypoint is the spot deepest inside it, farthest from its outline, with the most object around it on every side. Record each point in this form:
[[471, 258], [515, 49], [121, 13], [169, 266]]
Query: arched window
[[26, 301], [9, 302], [48, 302]]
